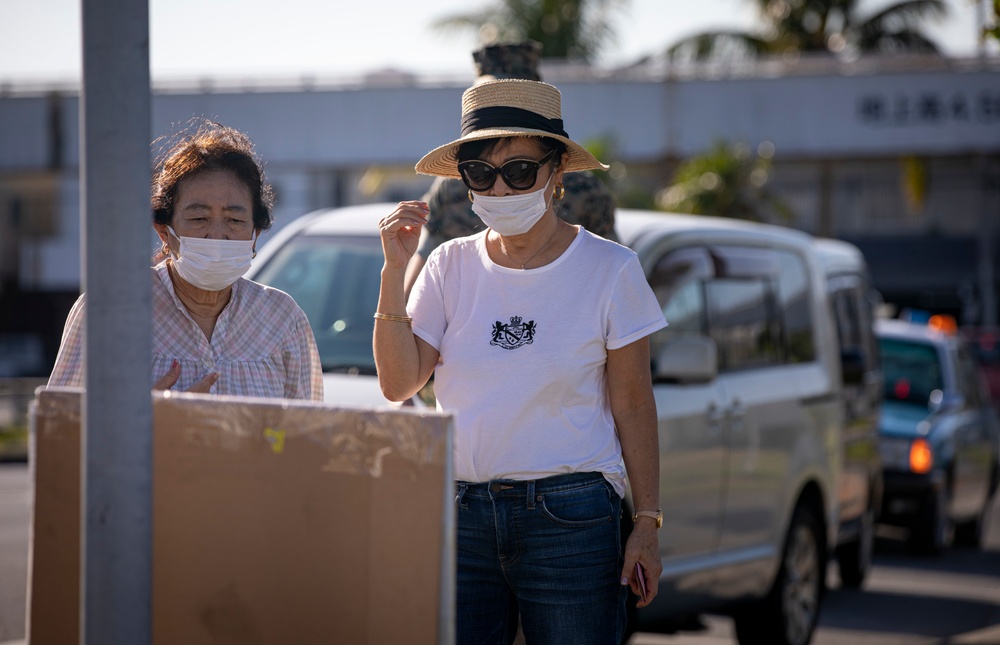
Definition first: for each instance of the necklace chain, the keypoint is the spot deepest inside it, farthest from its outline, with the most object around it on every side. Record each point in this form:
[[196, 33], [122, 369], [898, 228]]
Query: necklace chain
[[540, 249]]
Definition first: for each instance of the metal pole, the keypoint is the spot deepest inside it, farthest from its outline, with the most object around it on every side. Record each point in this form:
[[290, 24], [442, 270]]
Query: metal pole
[[117, 437], [987, 239]]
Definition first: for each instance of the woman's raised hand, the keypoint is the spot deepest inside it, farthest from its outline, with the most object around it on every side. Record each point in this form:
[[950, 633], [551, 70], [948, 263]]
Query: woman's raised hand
[[400, 232]]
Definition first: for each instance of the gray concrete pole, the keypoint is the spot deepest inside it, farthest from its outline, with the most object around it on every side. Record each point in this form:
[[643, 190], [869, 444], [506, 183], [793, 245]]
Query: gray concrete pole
[[117, 440]]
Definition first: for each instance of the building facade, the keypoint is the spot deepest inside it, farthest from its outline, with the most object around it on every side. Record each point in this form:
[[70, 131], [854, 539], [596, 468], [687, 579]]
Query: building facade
[[900, 156]]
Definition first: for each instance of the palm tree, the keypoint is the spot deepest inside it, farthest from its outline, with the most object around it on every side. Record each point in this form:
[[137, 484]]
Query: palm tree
[[727, 181], [993, 31], [819, 26], [571, 29]]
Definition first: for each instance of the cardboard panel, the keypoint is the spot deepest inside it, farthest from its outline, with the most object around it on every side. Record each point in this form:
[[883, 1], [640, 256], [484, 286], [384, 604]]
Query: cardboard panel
[[274, 522]]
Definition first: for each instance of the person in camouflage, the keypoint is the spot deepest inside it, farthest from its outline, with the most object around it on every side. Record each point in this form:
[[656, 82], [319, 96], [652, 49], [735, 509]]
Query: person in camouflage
[[587, 200]]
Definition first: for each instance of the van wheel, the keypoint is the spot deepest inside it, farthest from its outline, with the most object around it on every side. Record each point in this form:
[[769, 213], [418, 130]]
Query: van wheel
[[931, 532], [788, 615], [854, 559]]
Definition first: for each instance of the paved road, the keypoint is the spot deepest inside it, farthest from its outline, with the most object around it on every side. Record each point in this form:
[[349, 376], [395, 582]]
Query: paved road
[[908, 600], [953, 600], [15, 518]]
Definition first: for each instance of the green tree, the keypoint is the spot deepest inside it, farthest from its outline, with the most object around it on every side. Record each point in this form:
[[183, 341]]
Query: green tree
[[571, 29], [819, 26], [727, 181], [993, 31]]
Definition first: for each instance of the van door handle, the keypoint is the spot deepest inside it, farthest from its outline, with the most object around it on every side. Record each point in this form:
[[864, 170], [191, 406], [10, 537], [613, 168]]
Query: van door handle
[[715, 416], [736, 414]]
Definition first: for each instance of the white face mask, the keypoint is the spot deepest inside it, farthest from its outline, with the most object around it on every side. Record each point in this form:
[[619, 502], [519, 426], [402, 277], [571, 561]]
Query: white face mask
[[512, 214], [212, 265]]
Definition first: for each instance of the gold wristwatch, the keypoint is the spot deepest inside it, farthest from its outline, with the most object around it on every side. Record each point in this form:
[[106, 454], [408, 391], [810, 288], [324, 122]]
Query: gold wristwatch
[[656, 515]]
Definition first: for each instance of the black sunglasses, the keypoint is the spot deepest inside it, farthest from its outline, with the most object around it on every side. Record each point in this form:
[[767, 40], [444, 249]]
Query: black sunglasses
[[520, 174]]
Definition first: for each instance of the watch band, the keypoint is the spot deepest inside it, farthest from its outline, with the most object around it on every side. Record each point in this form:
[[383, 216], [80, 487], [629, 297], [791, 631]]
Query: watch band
[[654, 515]]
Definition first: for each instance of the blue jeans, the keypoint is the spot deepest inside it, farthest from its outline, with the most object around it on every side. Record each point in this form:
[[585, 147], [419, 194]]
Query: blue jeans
[[548, 550]]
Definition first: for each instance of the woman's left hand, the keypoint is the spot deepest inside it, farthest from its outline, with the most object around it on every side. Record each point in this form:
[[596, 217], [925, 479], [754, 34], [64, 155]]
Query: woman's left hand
[[643, 546]]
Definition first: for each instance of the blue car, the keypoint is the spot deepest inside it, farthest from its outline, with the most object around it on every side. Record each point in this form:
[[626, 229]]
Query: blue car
[[938, 436]]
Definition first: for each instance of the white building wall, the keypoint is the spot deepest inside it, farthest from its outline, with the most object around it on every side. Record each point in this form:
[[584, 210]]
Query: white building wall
[[320, 145]]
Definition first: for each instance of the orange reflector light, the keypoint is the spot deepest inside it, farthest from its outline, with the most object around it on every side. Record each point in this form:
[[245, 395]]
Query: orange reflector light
[[943, 323], [921, 457]]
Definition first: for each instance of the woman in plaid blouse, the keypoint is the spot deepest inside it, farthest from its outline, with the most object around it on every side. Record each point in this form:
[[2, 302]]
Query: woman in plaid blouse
[[213, 330]]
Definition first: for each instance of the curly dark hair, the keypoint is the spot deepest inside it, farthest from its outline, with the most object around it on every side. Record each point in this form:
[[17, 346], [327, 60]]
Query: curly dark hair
[[202, 146]]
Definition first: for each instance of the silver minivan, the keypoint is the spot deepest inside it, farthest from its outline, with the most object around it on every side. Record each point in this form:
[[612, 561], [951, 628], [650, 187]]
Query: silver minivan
[[748, 385], [860, 487]]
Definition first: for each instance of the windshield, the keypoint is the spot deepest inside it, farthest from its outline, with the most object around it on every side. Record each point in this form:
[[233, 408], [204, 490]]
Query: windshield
[[335, 280], [912, 371]]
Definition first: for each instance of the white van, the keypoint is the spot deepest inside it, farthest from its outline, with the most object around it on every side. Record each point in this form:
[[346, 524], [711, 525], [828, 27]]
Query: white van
[[747, 380], [860, 488]]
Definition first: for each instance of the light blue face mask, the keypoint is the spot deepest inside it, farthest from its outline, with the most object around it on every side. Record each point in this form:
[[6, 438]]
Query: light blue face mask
[[512, 214], [212, 265]]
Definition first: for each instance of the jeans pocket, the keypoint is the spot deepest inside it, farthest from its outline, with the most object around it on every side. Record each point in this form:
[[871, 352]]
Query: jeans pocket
[[578, 508]]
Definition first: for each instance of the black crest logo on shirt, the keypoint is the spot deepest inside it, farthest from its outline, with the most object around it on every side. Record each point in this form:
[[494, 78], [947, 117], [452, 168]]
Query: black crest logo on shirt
[[513, 334]]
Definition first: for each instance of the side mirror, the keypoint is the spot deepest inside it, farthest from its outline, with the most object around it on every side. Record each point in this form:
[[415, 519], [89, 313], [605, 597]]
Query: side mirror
[[687, 360], [852, 366]]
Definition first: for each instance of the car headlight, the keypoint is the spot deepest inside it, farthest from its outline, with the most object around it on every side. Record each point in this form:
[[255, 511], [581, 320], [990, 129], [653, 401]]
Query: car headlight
[[907, 455]]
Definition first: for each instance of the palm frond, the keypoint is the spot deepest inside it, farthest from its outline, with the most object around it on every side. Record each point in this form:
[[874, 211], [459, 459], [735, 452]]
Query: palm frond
[[900, 42], [721, 46]]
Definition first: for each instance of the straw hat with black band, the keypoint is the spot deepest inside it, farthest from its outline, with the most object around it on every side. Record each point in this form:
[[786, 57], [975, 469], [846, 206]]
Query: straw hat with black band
[[508, 108]]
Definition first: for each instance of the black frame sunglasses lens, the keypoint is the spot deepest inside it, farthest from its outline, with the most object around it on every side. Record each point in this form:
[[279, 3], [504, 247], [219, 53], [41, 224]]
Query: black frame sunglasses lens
[[519, 174]]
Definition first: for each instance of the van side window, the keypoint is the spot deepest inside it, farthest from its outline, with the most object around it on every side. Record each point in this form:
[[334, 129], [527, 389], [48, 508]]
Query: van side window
[[678, 281], [853, 301], [793, 289], [759, 307], [752, 301], [744, 322]]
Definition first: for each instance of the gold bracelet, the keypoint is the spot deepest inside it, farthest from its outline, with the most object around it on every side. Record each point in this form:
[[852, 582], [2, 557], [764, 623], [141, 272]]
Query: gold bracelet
[[394, 318]]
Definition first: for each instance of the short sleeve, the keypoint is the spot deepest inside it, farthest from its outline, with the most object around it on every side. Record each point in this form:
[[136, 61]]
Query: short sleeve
[[426, 303], [305, 374], [68, 368], [633, 312]]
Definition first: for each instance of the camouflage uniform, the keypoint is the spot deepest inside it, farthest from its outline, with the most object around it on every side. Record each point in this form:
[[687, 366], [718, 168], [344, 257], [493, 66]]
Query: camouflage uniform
[[587, 201], [513, 60]]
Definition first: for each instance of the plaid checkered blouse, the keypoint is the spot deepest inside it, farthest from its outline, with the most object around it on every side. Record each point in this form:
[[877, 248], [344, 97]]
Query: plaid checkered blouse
[[262, 344]]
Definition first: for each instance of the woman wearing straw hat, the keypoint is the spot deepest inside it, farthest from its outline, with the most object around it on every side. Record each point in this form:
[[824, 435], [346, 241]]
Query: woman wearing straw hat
[[536, 331]]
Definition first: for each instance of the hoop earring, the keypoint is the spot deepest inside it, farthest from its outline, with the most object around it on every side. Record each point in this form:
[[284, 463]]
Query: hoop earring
[[470, 196], [559, 192]]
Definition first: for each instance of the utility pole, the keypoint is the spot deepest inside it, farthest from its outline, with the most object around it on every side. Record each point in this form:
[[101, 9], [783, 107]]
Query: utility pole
[[116, 472]]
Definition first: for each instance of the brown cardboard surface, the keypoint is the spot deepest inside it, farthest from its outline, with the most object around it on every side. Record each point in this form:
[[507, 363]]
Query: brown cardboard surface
[[273, 521]]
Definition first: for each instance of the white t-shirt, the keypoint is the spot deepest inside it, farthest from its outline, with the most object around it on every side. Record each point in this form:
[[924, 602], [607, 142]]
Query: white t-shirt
[[523, 354]]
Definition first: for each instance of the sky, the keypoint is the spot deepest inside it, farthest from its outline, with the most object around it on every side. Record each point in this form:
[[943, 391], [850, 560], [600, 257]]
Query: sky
[[40, 39]]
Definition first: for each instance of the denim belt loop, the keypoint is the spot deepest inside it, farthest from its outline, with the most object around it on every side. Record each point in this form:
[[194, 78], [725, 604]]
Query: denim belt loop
[[531, 494], [461, 493]]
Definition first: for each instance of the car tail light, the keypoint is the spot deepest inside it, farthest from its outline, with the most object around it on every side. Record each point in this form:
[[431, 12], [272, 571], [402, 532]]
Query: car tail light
[[921, 457]]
